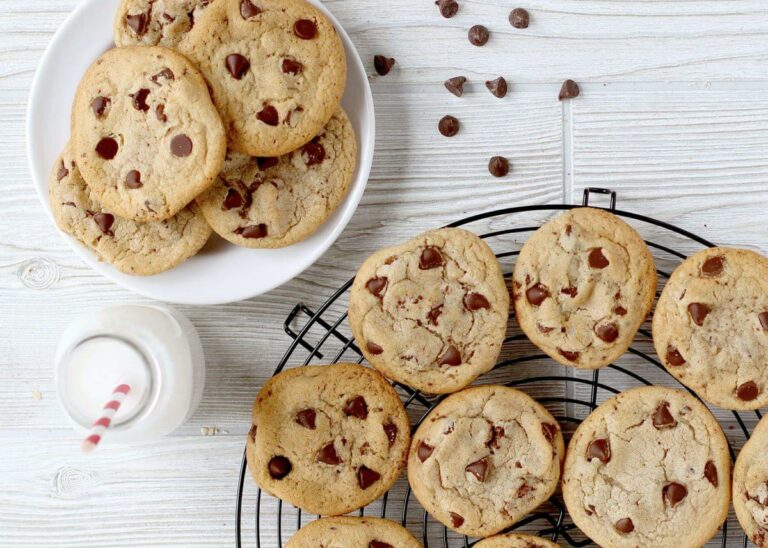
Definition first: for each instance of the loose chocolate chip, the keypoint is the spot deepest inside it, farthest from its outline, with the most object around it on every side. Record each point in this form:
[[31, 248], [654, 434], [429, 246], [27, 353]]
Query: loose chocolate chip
[[233, 199], [390, 430], [279, 467], [456, 85], [451, 357], [314, 153], [712, 266], [374, 348], [763, 317], [570, 291], [137, 23], [434, 314], [476, 301], [266, 163], [252, 232], [133, 180], [569, 355], [62, 172], [306, 29], [478, 35], [181, 146], [710, 472], [291, 67], [698, 312], [536, 294], [457, 519], [376, 286], [367, 477], [306, 418], [620, 311], [327, 455], [269, 115], [383, 64], [448, 8], [248, 9], [160, 113], [237, 65], [569, 90], [448, 126], [607, 332], [498, 166], [747, 391], [140, 100], [674, 357], [104, 221], [107, 148], [597, 259], [599, 449], [624, 525], [497, 87], [662, 418], [379, 544], [549, 431], [430, 258], [424, 451], [99, 105], [519, 18], [165, 73], [673, 493], [356, 407], [479, 469]]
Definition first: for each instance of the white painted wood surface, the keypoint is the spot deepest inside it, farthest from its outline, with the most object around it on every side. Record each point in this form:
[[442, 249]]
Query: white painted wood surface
[[673, 116]]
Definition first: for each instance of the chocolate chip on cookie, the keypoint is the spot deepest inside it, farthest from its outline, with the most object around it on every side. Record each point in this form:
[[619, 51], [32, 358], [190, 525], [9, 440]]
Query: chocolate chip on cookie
[[279, 467], [100, 105], [107, 148], [237, 65], [306, 29]]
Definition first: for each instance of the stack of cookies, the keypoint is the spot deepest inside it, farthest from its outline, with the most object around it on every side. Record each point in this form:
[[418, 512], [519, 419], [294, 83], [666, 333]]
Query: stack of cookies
[[210, 115], [649, 467]]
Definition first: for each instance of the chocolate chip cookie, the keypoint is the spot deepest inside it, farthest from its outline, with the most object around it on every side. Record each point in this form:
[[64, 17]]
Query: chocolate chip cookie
[[275, 202], [750, 485], [649, 467], [348, 532], [328, 439], [583, 285], [147, 136], [514, 540], [156, 22], [131, 247], [277, 71], [432, 312], [710, 327], [484, 458]]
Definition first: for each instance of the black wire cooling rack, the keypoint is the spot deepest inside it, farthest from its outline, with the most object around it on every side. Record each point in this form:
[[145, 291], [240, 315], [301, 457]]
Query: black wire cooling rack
[[323, 336]]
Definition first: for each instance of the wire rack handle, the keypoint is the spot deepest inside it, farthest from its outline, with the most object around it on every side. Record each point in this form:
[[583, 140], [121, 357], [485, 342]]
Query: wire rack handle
[[596, 190]]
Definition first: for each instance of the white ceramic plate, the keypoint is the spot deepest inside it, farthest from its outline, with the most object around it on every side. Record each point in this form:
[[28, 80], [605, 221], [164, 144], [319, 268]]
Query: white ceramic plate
[[221, 272]]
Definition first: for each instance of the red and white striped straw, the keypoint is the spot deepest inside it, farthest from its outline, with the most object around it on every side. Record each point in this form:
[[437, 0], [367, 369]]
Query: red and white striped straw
[[103, 422]]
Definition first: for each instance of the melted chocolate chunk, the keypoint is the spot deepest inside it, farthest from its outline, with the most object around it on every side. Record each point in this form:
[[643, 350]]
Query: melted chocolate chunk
[[430, 258], [674, 357], [570, 291], [478, 35], [763, 318], [367, 477], [620, 311], [456, 85], [457, 519], [476, 301], [662, 418], [549, 431], [237, 65], [279, 467], [479, 469], [314, 153], [133, 180], [448, 8], [306, 418], [569, 355], [374, 348], [383, 64], [597, 259], [140, 100], [269, 115], [379, 544], [451, 357], [107, 148], [496, 434], [62, 172], [497, 87], [181, 146], [673, 493], [713, 266], [233, 199], [104, 221], [390, 429], [519, 18], [252, 432], [599, 449], [607, 332], [624, 525], [434, 314], [306, 29], [165, 73], [328, 455], [248, 9], [748, 391], [536, 294], [160, 113], [99, 105], [710, 472], [137, 23], [448, 126], [266, 163], [356, 407], [569, 90], [698, 312], [424, 451], [377, 285], [252, 231], [291, 66]]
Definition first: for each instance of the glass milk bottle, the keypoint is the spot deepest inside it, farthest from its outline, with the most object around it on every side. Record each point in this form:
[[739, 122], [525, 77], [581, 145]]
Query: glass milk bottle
[[153, 350]]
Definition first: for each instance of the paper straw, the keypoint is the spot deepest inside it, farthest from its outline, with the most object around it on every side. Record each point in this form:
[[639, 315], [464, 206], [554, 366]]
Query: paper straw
[[102, 423]]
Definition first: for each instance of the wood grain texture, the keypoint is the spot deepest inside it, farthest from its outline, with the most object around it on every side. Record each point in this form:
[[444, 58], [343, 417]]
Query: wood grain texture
[[672, 116]]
